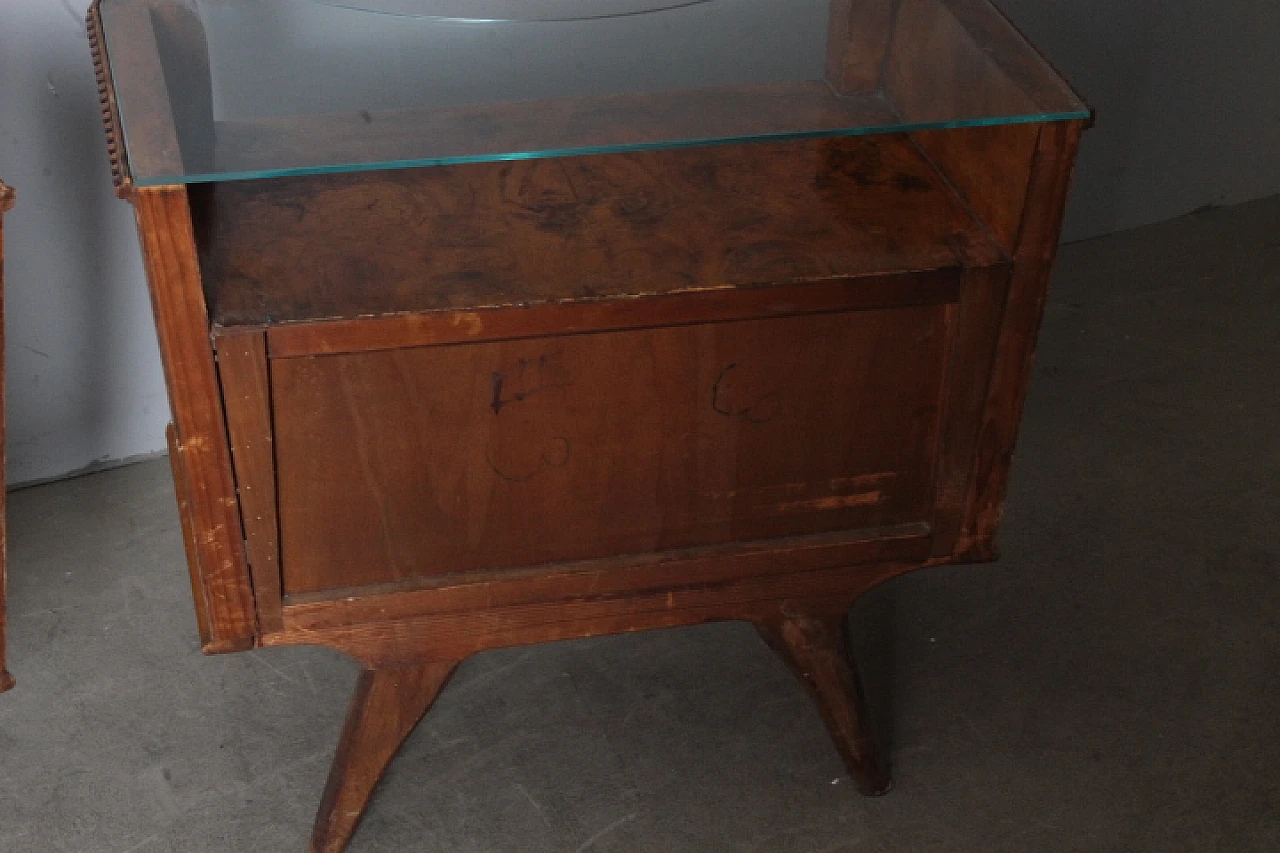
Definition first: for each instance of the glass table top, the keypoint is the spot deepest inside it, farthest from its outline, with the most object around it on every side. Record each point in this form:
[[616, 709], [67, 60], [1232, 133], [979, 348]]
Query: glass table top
[[212, 90]]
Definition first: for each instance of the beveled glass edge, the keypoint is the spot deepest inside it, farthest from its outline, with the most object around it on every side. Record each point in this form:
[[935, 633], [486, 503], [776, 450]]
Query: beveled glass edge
[[1075, 110], [358, 6], [547, 154]]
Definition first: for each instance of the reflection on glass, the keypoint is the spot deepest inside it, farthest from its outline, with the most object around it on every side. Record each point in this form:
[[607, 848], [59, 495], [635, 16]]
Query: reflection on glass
[[255, 88], [324, 55]]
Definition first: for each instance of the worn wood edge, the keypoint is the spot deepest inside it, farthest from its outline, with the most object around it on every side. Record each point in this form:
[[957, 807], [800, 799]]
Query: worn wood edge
[[120, 175], [455, 636], [7, 198], [179, 468], [605, 578], [1011, 377], [244, 377], [1050, 183], [971, 360], [208, 644], [434, 328], [168, 243]]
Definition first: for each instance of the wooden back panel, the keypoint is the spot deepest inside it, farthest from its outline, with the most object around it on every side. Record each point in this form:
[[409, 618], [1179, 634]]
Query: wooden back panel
[[434, 460]]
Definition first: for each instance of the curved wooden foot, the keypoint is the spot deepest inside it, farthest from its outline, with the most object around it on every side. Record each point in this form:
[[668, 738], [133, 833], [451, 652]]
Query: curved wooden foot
[[816, 648], [387, 706]]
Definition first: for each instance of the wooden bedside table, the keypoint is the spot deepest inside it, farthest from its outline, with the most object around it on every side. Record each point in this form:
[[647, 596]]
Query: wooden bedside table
[[518, 322], [6, 680]]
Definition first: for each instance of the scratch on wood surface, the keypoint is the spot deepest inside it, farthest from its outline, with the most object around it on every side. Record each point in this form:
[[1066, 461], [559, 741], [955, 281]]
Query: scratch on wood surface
[[469, 320], [832, 502], [835, 485], [861, 481]]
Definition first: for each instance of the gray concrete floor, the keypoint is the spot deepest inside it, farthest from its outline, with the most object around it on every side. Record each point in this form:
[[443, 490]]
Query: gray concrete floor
[[1110, 685]]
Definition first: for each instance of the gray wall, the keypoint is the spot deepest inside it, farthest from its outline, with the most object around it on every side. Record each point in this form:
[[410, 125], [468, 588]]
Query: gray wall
[[83, 368], [1188, 100], [1189, 115]]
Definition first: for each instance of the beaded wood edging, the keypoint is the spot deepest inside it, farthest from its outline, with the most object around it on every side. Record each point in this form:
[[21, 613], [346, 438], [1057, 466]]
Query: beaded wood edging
[[107, 101]]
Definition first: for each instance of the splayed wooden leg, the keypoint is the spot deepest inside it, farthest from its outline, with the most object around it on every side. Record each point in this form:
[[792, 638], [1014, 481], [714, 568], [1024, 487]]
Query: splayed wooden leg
[[387, 706], [817, 650]]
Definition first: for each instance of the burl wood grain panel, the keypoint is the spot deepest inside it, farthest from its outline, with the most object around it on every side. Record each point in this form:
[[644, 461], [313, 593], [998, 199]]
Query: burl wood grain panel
[[969, 158], [573, 229], [418, 462]]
